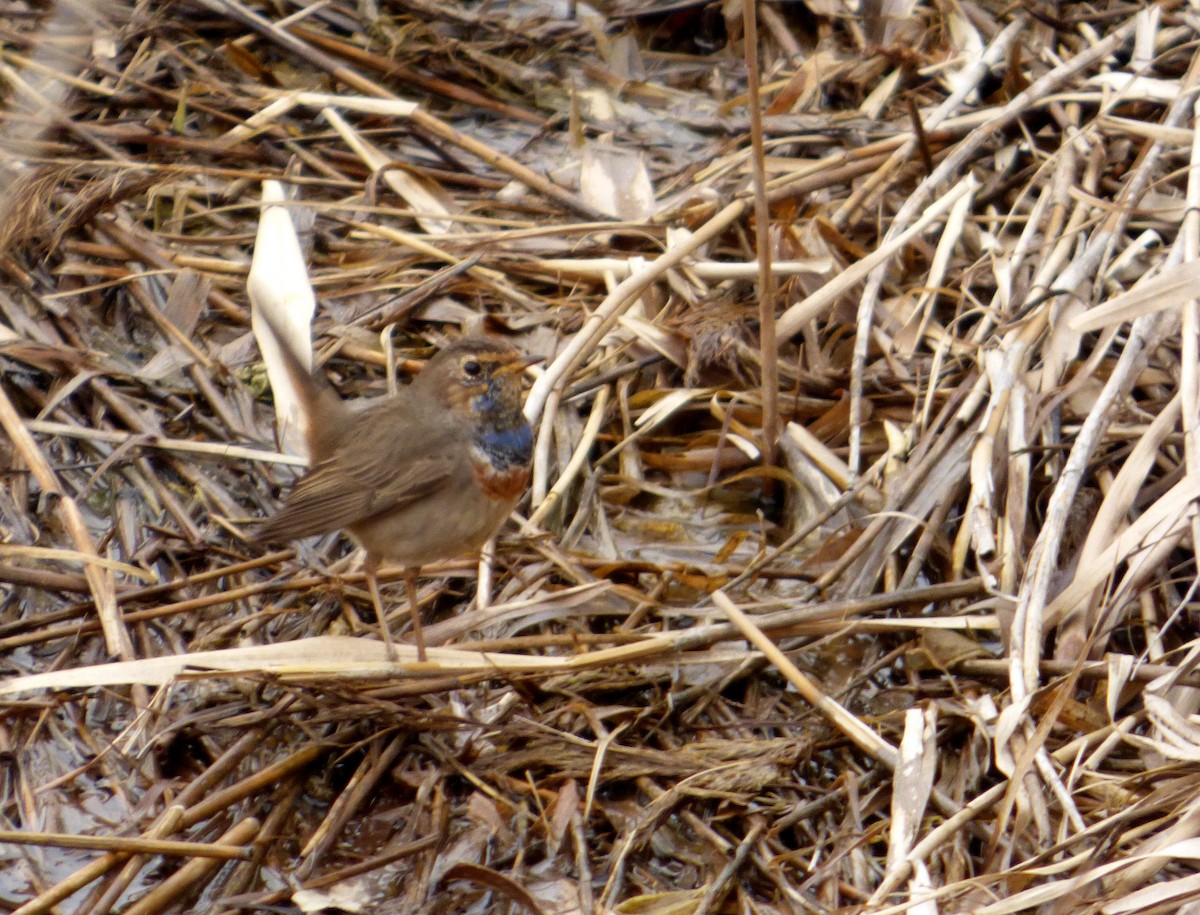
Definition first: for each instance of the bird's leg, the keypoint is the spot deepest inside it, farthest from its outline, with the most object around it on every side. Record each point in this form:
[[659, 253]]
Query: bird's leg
[[370, 567], [410, 582]]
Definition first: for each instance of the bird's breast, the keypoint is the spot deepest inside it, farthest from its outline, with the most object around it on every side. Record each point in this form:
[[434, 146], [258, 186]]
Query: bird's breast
[[499, 482]]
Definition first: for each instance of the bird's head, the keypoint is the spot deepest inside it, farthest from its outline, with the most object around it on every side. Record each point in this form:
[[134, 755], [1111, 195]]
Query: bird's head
[[478, 374]]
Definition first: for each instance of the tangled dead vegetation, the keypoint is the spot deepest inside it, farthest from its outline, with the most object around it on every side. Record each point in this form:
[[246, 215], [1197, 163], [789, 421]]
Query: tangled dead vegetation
[[937, 655]]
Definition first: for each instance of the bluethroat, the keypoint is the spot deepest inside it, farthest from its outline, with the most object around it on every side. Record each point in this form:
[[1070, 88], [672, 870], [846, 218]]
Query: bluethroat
[[426, 475]]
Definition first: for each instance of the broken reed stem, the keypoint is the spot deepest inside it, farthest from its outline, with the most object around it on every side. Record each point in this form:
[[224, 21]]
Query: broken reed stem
[[209, 449], [850, 725], [124, 844], [100, 579], [180, 882]]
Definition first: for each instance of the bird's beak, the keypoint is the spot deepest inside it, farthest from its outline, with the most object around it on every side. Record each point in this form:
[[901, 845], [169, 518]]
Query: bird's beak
[[515, 368]]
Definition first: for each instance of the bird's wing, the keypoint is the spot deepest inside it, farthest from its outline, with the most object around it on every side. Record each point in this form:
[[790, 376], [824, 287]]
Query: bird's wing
[[383, 465]]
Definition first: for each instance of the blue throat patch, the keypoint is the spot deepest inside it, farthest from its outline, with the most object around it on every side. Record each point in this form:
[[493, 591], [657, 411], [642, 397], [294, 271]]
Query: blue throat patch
[[507, 447]]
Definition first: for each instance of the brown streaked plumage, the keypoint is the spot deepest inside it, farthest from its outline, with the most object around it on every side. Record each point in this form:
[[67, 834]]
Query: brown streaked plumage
[[426, 475]]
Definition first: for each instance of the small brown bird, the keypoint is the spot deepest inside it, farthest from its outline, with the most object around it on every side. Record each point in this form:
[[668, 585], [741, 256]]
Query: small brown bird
[[424, 476]]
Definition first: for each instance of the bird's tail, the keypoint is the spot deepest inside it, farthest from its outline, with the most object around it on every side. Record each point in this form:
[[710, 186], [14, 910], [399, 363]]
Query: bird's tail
[[324, 411]]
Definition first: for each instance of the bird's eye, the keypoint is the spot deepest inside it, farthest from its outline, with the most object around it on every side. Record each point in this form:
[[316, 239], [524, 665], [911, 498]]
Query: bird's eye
[[472, 368]]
